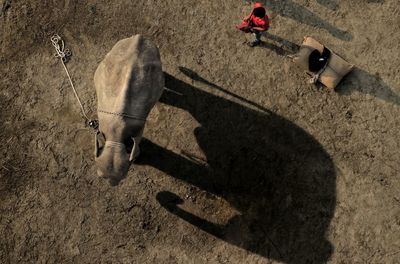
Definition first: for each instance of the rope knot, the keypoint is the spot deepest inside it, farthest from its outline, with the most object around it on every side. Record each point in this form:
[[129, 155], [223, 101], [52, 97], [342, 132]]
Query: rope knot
[[61, 51]]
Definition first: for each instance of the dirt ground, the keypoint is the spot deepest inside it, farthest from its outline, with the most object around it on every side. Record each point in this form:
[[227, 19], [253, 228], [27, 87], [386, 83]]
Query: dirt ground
[[311, 178]]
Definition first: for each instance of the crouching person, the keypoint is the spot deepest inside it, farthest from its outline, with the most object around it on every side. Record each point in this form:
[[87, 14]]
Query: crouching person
[[256, 22]]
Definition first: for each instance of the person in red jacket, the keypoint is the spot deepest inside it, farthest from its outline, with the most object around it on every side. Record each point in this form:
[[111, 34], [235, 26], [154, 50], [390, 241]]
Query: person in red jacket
[[256, 22]]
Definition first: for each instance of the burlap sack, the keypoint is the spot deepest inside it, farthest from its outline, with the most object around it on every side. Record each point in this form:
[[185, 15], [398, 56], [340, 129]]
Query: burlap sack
[[336, 69]]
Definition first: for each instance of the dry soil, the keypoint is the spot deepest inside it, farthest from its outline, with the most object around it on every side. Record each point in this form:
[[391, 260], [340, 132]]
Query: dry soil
[[244, 163]]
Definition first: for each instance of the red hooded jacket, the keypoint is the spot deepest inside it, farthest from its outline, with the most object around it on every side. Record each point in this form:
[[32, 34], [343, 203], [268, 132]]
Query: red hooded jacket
[[259, 22], [254, 21]]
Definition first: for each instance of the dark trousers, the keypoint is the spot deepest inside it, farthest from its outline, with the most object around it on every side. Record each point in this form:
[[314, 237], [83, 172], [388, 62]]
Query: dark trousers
[[258, 35]]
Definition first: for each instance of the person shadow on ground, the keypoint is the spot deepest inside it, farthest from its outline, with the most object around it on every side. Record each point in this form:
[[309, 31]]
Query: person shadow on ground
[[280, 46], [295, 11], [276, 175], [331, 4]]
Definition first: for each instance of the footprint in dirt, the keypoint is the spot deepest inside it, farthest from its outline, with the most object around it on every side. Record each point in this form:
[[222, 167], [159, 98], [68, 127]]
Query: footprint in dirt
[[276, 175]]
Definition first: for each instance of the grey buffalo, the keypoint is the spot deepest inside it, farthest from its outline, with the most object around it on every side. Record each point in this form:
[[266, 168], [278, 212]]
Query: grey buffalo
[[129, 82]]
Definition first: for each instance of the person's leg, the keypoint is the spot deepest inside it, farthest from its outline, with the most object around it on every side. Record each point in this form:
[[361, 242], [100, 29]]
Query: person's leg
[[258, 36], [257, 41]]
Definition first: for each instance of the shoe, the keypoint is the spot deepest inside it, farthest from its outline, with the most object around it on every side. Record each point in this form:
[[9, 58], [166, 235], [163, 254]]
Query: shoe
[[254, 43]]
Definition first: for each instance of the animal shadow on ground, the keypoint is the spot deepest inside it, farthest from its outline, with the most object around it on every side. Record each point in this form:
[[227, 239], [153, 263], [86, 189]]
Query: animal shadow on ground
[[295, 11], [364, 82], [276, 175]]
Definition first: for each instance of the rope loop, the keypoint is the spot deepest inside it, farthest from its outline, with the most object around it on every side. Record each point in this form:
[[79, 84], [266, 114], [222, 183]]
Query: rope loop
[[61, 51]]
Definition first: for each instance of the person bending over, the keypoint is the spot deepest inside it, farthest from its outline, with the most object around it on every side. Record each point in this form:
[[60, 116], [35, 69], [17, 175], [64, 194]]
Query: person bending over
[[256, 22]]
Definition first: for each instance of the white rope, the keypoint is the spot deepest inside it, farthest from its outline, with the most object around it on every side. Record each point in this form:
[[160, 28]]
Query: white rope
[[64, 54], [315, 77]]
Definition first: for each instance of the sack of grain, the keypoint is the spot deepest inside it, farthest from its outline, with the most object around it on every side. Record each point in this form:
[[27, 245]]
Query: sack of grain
[[334, 71]]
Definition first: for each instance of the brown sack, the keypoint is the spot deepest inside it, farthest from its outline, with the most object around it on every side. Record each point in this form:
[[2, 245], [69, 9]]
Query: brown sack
[[336, 69]]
